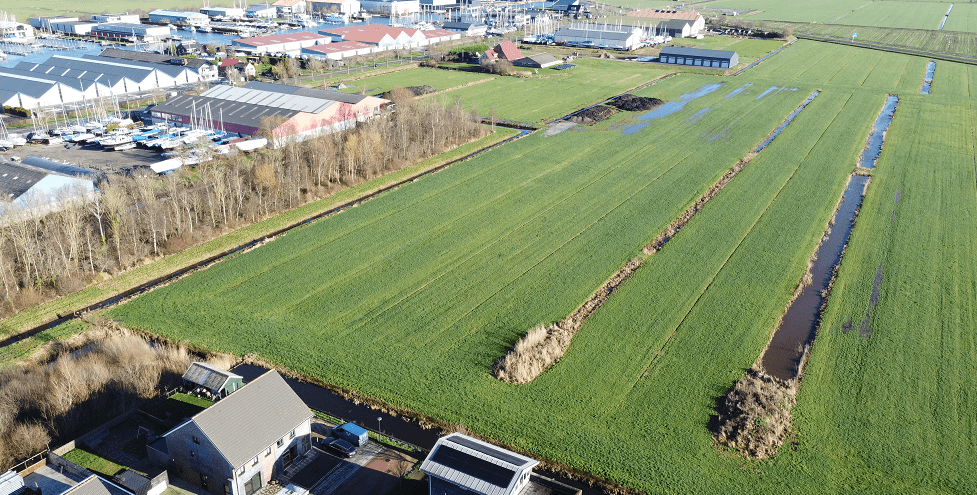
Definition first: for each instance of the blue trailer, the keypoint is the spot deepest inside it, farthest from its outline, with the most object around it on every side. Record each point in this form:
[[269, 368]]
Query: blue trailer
[[351, 433]]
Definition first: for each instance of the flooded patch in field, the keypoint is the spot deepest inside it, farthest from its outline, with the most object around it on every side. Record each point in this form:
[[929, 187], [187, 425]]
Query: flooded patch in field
[[754, 64], [769, 90], [945, 17], [875, 140], [799, 325], [786, 122], [698, 115], [670, 107], [738, 90], [928, 78]]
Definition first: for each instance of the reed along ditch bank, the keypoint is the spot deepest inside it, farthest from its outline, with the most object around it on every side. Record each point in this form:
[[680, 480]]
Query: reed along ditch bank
[[788, 346], [541, 347], [207, 262]]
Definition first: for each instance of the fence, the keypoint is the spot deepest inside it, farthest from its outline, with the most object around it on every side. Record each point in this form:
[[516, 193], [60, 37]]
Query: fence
[[31, 464]]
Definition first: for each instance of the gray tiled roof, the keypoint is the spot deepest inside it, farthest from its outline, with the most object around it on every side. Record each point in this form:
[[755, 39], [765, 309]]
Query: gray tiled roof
[[71, 82], [170, 69], [253, 418], [154, 58], [321, 94], [119, 68], [207, 376], [15, 180], [28, 85], [95, 485], [595, 34], [231, 112], [88, 75]]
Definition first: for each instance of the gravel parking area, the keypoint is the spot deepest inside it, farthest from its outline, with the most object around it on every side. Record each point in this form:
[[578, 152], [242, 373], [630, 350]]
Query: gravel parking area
[[91, 157]]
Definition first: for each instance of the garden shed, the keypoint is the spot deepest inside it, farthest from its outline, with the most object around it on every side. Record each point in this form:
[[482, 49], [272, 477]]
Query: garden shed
[[215, 381]]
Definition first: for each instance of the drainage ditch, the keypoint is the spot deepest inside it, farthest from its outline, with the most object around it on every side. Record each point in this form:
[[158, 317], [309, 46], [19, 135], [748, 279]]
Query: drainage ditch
[[871, 152], [928, 78]]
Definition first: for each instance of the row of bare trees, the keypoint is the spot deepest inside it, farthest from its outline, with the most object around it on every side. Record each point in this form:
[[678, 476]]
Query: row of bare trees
[[132, 220]]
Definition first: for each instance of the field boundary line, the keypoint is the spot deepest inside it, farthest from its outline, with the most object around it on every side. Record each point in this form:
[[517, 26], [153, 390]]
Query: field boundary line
[[894, 49], [468, 84]]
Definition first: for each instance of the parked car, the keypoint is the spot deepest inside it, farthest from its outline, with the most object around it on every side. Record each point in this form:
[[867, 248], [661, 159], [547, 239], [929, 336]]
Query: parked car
[[341, 447]]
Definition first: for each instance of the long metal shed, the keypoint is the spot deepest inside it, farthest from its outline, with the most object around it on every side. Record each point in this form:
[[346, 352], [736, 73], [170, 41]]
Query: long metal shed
[[720, 59]]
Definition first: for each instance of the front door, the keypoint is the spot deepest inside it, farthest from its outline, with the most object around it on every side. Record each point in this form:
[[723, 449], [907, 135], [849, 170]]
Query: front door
[[288, 457], [253, 485]]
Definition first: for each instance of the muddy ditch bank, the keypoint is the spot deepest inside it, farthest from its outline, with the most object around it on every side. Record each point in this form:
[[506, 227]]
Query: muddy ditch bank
[[879, 131], [543, 346], [799, 324], [754, 417], [593, 115], [207, 262]]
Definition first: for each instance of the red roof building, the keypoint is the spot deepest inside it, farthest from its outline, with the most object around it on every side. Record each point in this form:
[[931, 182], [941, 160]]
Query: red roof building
[[507, 50]]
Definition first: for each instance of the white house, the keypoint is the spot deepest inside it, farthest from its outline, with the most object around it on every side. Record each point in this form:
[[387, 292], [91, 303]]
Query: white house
[[16, 30]]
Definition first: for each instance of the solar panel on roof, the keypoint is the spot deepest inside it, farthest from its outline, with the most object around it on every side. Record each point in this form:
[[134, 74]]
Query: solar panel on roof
[[565, 66], [489, 451], [493, 474]]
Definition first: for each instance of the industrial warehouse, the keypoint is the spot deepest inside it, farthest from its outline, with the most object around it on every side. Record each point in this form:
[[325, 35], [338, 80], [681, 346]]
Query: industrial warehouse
[[62, 79], [283, 112], [697, 56]]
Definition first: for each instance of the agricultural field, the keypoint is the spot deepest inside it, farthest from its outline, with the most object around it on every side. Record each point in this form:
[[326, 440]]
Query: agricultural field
[[913, 15], [796, 11], [438, 79], [950, 42], [963, 17], [410, 297]]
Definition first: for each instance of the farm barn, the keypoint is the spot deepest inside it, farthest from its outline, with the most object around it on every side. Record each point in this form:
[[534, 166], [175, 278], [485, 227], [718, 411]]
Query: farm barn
[[299, 113], [697, 56], [538, 61]]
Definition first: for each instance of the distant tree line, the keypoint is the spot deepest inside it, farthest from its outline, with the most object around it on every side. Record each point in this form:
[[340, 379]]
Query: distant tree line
[[134, 219]]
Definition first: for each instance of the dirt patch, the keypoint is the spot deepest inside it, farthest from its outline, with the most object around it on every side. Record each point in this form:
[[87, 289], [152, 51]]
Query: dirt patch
[[593, 115], [754, 417], [631, 103], [558, 127], [415, 90]]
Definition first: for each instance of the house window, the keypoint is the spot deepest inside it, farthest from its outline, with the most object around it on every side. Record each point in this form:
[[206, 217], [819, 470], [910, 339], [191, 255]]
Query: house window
[[280, 441], [291, 434], [254, 461], [240, 470], [268, 452]]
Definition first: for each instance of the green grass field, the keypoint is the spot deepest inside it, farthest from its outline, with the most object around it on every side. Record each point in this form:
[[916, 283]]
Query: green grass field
[[438, 79], [37, 8], [94, 463], [410, 297]]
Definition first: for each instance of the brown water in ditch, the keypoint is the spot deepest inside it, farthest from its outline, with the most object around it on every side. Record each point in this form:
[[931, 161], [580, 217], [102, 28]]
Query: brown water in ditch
[[797, 329]]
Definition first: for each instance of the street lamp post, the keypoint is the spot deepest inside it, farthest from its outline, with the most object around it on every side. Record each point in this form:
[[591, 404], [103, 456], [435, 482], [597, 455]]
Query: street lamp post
[[379, 418]]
